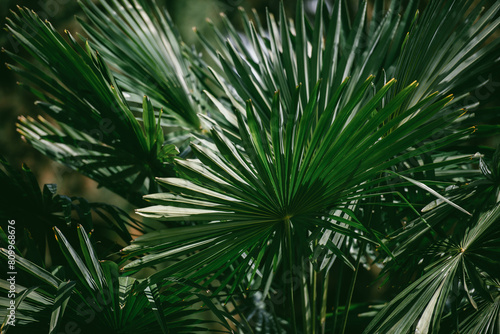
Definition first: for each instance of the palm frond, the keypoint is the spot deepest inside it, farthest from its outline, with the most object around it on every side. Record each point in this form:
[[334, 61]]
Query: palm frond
[[311, 147], [449, 50], [274, 196], [81, 93], [461, 258]]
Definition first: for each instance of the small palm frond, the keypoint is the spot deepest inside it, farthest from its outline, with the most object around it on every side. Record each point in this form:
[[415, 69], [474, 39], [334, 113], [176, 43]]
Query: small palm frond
[[470, 258], [425, 241], [259, 62], [120, 171], [484, 319], [450, 50], [97, 298]]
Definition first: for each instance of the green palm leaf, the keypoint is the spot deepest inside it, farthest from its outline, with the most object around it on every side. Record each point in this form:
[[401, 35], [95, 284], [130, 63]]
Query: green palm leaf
[[262, 199], [484, 320], [140, 42]]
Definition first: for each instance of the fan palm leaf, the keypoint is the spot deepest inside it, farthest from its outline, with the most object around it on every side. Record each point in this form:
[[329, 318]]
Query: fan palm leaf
[[275, 196], [421, 305]]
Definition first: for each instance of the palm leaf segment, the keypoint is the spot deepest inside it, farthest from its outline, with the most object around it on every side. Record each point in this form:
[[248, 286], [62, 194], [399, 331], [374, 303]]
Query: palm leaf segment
[[466, 260], [259, 62], [469, 259], [443, 50], [52, 209], [140, 42]]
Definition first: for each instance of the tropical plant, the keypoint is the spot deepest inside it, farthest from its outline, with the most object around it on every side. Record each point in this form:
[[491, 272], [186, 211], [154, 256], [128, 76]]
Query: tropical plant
[[287, 160]]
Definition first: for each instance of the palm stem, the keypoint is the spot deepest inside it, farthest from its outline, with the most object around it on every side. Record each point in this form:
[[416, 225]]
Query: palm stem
[[323, 302], [290, 268], [351, 286], [314, 298], [337, 295]]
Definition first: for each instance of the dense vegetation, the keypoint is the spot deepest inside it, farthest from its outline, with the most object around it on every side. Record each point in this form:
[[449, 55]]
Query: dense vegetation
[[276, 169]]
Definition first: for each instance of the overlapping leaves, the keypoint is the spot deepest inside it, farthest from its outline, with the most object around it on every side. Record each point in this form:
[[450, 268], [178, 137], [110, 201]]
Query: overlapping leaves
[[98, 298], [448, 49], [142, 45], [97, 131], [48, 209], [299, 152], [286, 53], [469, 260]]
